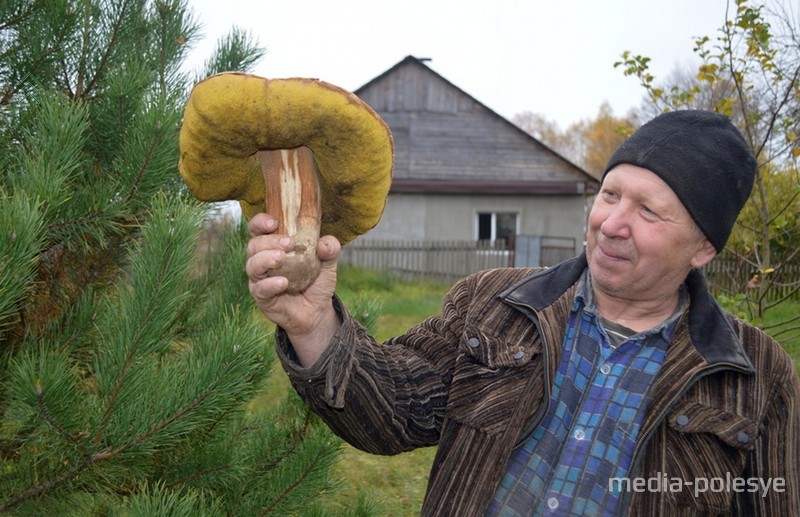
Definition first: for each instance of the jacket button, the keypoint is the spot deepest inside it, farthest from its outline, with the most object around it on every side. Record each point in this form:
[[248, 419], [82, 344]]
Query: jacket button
[[743, 437], [682, 420], [519, 355], [474, 342]]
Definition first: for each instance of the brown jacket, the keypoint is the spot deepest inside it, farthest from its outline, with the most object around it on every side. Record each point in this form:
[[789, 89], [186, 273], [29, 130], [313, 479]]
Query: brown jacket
[[724, 411]]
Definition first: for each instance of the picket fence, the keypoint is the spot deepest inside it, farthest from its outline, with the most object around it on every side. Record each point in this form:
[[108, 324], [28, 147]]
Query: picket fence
[[729, 274], [446, 261]]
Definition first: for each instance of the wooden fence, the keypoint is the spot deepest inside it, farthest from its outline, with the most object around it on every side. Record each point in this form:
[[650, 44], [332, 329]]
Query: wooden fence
[[450, 260], [446, 260], [729, 274]]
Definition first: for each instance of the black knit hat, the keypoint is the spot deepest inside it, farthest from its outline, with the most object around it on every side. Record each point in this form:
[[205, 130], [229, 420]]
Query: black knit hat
[[703, 157]]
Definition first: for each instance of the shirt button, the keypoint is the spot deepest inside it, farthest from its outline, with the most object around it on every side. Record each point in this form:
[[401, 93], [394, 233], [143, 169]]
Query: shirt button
[[473, 342], [552, 503], [579, 434], [743, 437], [519, 355], [682, 420], [605, 369]]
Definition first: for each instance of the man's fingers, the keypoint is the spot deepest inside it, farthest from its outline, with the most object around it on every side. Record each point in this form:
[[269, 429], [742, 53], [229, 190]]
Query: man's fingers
[[269, 242], [262, 224], [268, 251], [267, 288], [328, 248], [259, 264]]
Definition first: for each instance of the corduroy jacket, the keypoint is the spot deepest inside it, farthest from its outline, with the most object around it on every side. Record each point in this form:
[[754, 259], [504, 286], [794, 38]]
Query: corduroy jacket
[[723, 416]]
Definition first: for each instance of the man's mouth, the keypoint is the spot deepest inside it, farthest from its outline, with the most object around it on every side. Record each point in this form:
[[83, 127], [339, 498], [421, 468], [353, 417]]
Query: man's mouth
[[611, 253]]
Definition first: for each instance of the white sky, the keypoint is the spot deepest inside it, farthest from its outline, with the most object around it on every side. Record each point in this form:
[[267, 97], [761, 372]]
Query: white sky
[[553, 57]]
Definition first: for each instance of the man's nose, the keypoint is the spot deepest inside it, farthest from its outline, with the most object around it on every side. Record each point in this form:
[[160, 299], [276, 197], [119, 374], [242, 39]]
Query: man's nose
[[617, 221]]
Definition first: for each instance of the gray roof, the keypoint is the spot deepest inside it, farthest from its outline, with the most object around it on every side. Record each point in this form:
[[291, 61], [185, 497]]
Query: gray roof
[[447, 141]]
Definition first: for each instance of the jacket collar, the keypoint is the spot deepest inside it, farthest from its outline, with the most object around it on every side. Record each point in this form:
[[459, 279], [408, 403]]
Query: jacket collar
[[711, 332]]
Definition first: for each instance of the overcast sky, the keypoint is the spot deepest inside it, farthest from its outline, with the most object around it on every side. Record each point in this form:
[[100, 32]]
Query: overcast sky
[[553, 57]]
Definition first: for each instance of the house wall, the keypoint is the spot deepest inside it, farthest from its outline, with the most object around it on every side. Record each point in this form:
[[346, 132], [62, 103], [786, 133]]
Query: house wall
[[454, 217]]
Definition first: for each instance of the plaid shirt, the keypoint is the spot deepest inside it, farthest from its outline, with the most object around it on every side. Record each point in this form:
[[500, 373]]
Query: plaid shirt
[[589, 432]]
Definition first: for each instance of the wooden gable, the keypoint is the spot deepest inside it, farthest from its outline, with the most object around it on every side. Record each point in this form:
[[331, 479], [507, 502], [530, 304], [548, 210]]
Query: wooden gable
[[448, 142]]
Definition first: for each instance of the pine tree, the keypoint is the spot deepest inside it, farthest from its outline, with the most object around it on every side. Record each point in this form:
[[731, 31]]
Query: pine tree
[[132, 365]]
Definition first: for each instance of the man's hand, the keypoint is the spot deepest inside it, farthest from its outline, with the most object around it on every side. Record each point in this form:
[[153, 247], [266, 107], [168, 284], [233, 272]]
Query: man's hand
[[308, 317]]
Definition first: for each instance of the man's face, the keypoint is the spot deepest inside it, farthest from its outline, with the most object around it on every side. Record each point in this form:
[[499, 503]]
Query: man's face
[[641, 240]]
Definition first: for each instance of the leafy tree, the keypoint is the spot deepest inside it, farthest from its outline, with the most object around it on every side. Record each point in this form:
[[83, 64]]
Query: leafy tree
[[751, 72], [602, 135], [588, 143], [132, 368], [546, 131]]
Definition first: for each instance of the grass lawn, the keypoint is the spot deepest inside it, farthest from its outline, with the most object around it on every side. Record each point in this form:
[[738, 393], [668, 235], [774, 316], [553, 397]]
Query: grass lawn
[[790, 339], [388, 307]]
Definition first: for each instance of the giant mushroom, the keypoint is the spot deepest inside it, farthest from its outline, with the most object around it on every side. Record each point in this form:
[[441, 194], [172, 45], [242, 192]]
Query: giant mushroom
[[312, 154]]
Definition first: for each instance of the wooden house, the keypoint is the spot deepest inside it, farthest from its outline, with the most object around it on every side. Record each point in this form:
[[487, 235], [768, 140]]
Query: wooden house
[[463, 172]]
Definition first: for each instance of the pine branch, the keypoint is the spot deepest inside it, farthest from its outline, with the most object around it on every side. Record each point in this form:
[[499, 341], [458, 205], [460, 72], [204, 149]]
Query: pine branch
[[22, 16], [148, 155], [283, 456], [11, 91], [91, 459], [43, 488], [198, 475], [301, 435], [310, 468], [132, 352], [63, 275], [52, 422], [160, 426], [106, 55], [195, 476]]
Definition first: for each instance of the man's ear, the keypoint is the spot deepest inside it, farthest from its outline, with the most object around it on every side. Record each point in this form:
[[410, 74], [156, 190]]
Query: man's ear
[[704, 254]]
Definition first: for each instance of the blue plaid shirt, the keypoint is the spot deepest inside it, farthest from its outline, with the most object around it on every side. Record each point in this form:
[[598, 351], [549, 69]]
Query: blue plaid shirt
[[589, 433]]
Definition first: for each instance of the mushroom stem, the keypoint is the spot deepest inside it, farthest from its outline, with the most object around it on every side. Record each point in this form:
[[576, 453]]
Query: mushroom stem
[[293, 198]]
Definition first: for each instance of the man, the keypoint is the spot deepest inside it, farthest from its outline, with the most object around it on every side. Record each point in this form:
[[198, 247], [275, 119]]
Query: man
[[610, 384]]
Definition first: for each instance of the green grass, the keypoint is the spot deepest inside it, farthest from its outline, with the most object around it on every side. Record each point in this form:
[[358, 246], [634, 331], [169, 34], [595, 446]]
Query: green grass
[[388, 307], [401, 303], [787, 334], [781, 321]]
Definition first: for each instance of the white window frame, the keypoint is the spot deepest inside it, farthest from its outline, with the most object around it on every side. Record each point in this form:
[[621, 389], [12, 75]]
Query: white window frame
[[493, 228]]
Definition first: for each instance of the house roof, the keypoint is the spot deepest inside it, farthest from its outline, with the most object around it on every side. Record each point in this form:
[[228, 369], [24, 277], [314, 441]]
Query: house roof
[[446, 141]]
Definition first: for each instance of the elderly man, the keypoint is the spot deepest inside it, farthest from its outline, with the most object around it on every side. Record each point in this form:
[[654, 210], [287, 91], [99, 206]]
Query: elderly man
[[610, 384]]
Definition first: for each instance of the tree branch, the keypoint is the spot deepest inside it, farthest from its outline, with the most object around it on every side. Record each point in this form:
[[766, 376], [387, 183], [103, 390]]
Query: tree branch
[[52, 422]]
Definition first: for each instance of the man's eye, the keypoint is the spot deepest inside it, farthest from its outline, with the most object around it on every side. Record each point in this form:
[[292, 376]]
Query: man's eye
[[609, 194], [649, 212]]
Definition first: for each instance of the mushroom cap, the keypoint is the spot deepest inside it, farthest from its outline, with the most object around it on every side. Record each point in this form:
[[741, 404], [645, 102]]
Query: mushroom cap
[[230, 116]]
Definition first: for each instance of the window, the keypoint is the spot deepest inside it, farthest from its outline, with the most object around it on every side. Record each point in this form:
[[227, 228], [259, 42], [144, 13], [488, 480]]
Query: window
[[494, 226]]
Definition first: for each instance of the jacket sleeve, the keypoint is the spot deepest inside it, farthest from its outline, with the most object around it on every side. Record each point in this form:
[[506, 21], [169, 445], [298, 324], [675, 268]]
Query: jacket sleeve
[[383, 398]]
